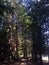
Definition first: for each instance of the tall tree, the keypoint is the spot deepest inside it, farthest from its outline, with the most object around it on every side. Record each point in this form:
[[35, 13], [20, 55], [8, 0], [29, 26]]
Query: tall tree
[[39, 14], [6, 14]]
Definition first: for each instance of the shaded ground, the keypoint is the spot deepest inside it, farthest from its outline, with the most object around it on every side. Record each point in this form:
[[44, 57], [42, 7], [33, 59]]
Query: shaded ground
[[23, 63]]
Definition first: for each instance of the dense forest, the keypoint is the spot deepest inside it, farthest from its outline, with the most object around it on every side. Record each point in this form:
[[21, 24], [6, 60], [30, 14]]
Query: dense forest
[[24, 30]]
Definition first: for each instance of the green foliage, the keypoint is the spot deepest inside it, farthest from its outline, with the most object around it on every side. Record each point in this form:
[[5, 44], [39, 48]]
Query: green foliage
[[21, 22]]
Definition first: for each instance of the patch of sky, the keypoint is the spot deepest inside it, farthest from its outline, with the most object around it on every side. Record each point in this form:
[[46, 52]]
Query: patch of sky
[[47, 5], [26, 3], [46, 32]]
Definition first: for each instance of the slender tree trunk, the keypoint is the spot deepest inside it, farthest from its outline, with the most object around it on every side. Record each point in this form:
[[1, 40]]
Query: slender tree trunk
[[17, 55], [25, 52], [41, 63], [17, 44]]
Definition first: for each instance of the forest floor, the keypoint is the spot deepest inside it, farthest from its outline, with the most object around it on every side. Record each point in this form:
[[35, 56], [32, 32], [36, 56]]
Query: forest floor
[[24, 63]]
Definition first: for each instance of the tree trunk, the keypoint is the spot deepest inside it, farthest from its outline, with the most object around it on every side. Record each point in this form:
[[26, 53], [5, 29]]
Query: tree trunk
[[40, 62]]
